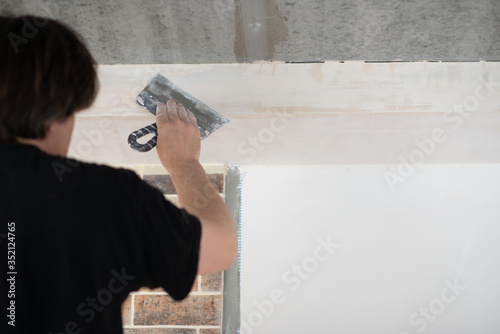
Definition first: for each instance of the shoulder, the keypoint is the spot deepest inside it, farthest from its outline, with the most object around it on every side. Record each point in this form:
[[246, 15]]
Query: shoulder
[[74, 172]]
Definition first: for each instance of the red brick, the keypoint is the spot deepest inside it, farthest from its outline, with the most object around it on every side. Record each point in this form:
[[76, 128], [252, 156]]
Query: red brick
[[211, 282], [163, 310], [159, 331], [161, 182], [210, 331]]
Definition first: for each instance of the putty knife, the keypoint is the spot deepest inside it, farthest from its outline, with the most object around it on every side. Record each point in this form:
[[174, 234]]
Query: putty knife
[[160, 90]]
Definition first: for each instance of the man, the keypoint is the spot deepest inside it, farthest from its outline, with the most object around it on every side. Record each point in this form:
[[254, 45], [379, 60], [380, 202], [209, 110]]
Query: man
[[73, 249]]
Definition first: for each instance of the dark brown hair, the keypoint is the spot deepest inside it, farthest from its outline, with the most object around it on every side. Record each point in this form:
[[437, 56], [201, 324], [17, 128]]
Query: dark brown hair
[[46, 75]]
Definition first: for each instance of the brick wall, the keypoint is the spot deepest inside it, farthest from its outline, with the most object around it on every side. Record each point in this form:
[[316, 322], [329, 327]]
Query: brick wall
[[154, 311]]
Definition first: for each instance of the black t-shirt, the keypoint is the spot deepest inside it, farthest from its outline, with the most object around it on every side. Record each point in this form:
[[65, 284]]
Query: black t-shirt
[[80, 237]]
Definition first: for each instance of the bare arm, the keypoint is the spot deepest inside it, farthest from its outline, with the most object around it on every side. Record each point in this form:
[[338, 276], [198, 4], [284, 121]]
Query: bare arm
[[179, 151]]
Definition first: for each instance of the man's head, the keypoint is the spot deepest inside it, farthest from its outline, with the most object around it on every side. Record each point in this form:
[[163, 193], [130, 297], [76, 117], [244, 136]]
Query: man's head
[[46, 75]]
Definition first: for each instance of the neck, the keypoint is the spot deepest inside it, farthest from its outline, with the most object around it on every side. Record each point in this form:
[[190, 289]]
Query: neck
[[41, 144]]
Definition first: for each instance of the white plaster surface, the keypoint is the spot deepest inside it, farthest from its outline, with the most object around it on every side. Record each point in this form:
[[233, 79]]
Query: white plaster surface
[[397, 251], [399, 162], [329, 113]]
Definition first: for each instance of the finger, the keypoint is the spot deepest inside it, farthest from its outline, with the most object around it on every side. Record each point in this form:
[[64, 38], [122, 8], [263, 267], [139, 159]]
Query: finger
[[161, 109], [181, 111], [172, 110], [191, 118]]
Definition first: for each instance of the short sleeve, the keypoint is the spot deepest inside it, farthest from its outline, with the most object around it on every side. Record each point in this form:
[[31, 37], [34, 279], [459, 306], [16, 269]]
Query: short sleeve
[[169, 238]]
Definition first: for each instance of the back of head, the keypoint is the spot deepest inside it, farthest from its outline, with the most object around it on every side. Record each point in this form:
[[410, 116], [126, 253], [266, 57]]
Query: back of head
[[46, 75]]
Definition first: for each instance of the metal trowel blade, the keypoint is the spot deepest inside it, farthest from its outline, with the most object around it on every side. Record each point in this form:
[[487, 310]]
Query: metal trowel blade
[[160, 90]]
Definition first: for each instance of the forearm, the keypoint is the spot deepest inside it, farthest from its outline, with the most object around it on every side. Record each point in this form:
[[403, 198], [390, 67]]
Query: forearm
[[179, 151], [199, 197], [197, 194]]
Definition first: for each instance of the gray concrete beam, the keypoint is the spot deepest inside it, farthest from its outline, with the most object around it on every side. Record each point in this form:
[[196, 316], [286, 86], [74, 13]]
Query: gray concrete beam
[[409, 30], [222, 31], [142, 32]]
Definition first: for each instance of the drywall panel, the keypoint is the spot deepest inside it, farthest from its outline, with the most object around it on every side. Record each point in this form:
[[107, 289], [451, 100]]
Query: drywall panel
[[331, 113], [334, 250]]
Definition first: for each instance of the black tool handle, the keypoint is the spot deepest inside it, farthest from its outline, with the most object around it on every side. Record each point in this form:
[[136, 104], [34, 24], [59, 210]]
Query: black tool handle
[[132, 139]]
